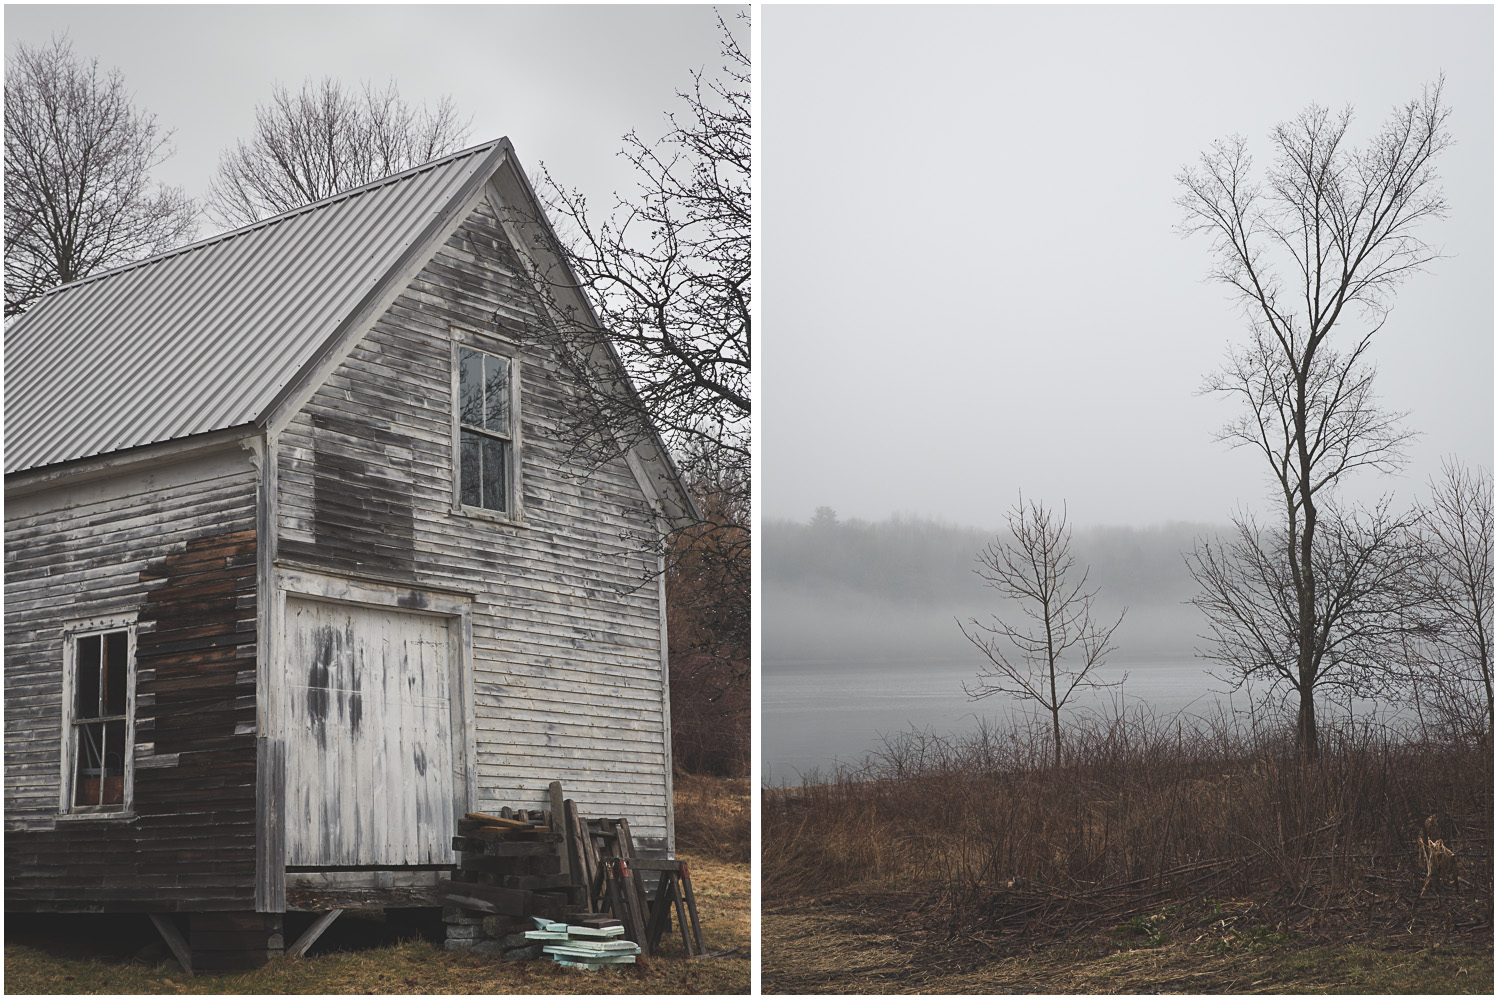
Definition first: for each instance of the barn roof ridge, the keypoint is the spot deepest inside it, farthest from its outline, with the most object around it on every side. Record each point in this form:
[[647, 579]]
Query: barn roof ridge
[[290, 213]]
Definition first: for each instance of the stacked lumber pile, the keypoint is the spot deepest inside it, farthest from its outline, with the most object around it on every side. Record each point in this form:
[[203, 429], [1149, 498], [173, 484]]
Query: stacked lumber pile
[[593, 944], [510, 870], [561, 871]]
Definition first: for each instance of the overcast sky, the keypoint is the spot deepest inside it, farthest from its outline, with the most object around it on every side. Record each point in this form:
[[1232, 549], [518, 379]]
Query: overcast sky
[[564, 83], [971, 281]]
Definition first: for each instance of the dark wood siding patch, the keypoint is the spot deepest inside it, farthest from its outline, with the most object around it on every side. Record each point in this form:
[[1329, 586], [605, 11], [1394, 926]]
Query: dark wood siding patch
[[180, 551]]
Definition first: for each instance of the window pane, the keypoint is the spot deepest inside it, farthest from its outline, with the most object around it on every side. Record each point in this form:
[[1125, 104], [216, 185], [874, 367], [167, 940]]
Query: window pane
[[494, 474], [86, 784], [113, 674], [496, 395], [468, 470], [470, 387], [86, 682], [113, 790]]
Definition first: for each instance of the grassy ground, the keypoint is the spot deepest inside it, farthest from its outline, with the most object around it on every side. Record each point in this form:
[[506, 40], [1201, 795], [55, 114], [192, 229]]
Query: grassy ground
[[855, 943], [1155, 859], [123, 955]]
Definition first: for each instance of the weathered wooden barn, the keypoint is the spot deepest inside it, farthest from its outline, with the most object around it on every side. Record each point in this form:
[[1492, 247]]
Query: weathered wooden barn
[[298, 567]]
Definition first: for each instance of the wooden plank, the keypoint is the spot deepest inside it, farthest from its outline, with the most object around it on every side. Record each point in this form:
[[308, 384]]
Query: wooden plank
[[654, 865], [559, 822], [697, 929], [660, 909], [309, 937], [682, 925], [536, 881], [623, 903], [173, 938], [509, 902], [519, 849], [484, 819], [635, 901], [523, 834], [627, 850], [585, 872]]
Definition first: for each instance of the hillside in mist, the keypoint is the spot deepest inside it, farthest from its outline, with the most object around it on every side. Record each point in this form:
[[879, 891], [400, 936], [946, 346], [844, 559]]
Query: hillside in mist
[[890, 590]]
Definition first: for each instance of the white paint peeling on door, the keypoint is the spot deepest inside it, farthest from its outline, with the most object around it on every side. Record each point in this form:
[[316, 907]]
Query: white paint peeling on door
[[370, 770]]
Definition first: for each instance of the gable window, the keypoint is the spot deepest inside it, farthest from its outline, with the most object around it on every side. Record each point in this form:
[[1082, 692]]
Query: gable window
[[99, 719], [486, 438]]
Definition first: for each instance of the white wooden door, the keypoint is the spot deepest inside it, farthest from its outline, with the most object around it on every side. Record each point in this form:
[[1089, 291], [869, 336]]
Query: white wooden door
[[370, 777]]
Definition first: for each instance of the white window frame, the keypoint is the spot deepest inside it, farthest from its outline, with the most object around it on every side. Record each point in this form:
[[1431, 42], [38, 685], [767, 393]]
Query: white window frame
[[72, 633], [467, 340]]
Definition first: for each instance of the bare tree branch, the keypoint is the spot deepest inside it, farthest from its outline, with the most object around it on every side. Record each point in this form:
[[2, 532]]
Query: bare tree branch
[[322, 140], [669, 274]]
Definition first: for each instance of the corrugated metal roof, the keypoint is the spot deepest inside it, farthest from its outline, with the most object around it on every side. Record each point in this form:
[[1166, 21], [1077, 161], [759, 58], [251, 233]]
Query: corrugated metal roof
[[209, 336]]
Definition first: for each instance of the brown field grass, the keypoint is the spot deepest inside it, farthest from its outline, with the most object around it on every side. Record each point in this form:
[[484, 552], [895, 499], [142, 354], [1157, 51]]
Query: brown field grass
[[122, 955], [1199, 842], [713, 816]]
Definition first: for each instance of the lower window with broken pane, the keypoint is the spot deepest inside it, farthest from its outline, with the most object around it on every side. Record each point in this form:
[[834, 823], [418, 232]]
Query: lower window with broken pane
[[100, 718]]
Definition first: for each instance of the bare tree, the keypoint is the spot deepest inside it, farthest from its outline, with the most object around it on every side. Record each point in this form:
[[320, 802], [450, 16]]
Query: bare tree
[[1313, 255], [1367, 566], [708, 629], [1053, 651], [1453, 653], [323, 140], [668, 272], [78, 159]]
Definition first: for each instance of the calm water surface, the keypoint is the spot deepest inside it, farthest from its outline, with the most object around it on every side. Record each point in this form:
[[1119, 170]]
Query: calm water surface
[[821, 712]]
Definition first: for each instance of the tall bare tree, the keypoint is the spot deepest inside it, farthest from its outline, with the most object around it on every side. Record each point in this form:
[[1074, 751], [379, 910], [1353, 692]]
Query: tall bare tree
[[1058, 643], [78, 162], [323, 140], [1454, 653], [1313, 254]]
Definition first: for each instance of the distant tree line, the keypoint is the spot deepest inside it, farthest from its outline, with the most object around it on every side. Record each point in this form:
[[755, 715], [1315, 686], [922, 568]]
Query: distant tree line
[[927, 561]]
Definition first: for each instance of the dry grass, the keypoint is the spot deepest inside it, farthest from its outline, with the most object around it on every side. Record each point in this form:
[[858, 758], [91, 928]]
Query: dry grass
[[713, 816], [1147, 831], [836, 948], [84, 961]]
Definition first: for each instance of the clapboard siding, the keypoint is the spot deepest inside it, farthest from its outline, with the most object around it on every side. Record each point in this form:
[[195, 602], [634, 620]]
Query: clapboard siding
[[566, 638], [178, 548]]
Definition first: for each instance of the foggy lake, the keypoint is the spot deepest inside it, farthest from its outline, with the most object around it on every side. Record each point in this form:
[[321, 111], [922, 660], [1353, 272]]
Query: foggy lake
[[821, 712]]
